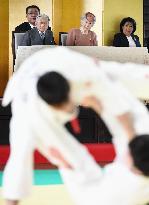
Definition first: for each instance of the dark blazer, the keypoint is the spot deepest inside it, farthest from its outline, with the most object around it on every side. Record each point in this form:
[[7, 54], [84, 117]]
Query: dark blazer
[[23, 27], [120, 40], [32, 37]]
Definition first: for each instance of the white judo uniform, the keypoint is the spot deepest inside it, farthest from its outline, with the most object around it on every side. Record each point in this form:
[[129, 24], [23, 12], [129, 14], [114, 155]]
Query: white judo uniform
[[36, 125]]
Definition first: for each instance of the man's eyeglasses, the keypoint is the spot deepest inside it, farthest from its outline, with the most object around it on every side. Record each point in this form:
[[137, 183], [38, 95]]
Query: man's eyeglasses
[[33, 13]]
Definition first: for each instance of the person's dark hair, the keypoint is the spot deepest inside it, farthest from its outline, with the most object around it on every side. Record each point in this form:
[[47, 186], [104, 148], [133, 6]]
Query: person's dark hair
[[128, 19], [32, 7], [139, 149], [53, 88]]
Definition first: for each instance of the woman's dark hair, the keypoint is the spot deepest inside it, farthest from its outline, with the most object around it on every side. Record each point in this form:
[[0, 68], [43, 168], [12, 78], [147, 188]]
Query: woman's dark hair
[[53, 88], [139, 149], [128, 19], [32, 7]]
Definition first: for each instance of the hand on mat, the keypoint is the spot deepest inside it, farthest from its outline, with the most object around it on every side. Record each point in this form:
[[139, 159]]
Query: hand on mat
[[93, 103], [61, 161]]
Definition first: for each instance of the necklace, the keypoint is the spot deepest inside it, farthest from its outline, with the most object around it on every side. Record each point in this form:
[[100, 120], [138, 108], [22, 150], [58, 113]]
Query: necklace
[[83, 31]]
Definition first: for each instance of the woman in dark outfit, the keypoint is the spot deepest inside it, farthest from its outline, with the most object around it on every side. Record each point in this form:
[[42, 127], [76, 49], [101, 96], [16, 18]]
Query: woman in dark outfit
[[126, 37]]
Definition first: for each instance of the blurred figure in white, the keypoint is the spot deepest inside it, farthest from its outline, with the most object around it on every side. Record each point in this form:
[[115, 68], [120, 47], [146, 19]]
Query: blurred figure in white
[[50, 91]]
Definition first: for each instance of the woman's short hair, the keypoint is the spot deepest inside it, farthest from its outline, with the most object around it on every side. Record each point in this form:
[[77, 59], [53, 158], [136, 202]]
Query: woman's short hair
[[128, 19], [84, 17], [42, 17]]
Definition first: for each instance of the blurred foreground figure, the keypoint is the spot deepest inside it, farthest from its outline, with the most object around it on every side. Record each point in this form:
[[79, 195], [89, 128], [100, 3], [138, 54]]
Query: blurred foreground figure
[[50, 91]]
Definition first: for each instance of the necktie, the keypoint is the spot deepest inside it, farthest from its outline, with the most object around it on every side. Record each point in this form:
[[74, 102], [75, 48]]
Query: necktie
[[42, 35]]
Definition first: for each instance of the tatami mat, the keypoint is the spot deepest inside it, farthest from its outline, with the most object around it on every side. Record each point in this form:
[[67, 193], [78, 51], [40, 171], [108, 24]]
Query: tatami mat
[[43, 177], [46, 195], [48, 189]]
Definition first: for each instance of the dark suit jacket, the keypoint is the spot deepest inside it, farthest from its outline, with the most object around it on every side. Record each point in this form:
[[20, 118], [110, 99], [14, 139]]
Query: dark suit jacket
[[23, 27], [32, 37], [120, 40]]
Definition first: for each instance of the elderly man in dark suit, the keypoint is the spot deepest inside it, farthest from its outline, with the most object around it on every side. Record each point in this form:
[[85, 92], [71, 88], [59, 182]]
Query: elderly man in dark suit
[[40, 35]]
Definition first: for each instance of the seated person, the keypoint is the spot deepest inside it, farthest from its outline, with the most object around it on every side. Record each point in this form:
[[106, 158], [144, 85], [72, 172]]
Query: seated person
[[40, 35], [83, 36], [126, 37]]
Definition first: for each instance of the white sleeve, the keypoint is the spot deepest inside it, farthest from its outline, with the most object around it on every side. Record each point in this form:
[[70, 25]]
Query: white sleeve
[[134, 76], [104, 88], [140, 117], [50, 133], [17, 178]]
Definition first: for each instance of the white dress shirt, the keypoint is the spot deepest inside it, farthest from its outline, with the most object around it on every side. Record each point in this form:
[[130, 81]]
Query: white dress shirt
[[131, 41], [32, 26]]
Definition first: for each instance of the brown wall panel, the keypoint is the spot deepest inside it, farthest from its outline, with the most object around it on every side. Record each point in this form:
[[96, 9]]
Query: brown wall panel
[[4, 44]]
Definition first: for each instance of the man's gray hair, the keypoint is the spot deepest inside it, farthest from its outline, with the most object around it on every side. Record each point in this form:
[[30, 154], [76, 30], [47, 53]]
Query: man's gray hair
[[84, 17], [42, 17]]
